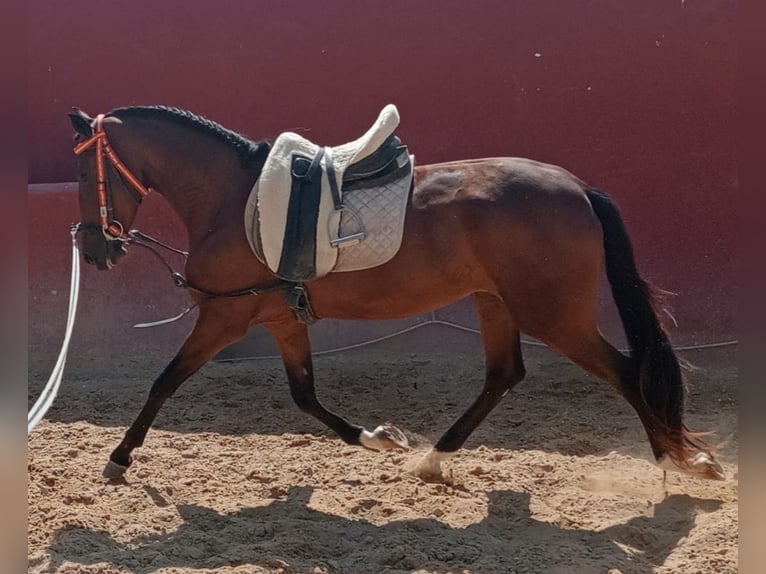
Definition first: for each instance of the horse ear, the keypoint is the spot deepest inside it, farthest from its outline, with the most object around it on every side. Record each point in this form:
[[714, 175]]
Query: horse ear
[[81, 122]]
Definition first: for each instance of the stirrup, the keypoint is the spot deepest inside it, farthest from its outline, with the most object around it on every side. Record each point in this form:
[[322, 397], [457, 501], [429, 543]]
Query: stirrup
[[346, 240]]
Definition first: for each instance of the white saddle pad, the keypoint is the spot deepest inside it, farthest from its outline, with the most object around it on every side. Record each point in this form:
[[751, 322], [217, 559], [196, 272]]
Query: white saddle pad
[[377, 212]]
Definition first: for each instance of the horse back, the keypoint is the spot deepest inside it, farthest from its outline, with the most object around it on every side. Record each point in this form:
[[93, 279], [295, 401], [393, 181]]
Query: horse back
[[498, 181], [472, 226]]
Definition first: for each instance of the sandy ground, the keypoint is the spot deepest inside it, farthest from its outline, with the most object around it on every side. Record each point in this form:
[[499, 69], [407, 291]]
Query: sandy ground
[[235, 479]]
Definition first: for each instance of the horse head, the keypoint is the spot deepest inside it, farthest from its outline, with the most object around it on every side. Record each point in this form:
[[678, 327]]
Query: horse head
[[109, 194]]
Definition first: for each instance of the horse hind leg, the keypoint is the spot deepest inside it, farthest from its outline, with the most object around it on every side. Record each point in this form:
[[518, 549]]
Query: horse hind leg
[[588, 349], [504, 369], [654, 385]]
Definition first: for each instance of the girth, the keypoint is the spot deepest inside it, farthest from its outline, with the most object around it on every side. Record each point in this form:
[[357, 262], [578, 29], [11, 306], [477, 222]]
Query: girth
[[298, 252]]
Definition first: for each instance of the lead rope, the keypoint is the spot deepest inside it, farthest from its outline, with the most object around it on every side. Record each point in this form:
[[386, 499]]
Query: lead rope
[[48, 394], [136, 237]]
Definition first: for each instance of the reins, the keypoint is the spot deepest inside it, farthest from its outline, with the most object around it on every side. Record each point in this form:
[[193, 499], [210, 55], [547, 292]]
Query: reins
[[136, 237]]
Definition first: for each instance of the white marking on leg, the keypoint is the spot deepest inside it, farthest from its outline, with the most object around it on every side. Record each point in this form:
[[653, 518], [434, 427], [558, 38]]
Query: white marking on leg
[[430, 465], [384, 437], [701, 465], [370, 440]]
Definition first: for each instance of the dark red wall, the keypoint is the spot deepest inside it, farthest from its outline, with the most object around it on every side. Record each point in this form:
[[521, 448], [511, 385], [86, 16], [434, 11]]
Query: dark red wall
[[636, 97]]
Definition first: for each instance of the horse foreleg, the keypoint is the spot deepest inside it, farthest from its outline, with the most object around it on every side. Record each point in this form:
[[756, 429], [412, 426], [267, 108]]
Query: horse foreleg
[[213, 332], [504, 369], [295, 348]]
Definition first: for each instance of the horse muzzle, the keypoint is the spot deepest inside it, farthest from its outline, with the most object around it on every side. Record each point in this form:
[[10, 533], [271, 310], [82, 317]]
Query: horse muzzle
[[98, 250]]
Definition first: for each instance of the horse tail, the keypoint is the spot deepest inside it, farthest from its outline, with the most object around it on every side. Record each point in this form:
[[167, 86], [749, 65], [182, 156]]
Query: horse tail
[[659, 388]]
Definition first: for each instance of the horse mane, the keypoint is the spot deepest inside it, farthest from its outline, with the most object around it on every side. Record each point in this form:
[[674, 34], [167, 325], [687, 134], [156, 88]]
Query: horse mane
[[247, 150]]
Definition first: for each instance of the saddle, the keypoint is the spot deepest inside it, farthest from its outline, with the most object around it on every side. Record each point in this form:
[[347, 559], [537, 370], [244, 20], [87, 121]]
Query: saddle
[[316, 209]]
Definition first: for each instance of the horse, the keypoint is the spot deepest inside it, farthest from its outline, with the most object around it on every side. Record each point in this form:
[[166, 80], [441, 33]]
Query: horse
[[528, 241]]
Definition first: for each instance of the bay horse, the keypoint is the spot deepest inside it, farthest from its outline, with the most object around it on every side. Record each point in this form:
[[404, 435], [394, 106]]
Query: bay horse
[[529, 241]]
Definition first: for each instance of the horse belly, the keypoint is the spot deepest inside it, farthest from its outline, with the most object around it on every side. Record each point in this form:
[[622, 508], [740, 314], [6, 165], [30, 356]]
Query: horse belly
[[386, 293]]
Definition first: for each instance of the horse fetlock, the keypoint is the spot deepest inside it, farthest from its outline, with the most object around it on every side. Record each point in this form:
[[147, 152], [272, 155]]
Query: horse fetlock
[[701, 465], [429, 468]]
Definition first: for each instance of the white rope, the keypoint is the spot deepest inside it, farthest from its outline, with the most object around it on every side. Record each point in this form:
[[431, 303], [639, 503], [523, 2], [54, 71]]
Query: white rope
[[434, 321], [48, 394], [164, 321]]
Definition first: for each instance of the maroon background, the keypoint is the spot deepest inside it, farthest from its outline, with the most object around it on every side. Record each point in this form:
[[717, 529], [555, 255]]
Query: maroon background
[[635, 97]]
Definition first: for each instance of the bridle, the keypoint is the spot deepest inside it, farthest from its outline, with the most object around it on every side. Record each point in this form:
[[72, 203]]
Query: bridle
[[112, 229]]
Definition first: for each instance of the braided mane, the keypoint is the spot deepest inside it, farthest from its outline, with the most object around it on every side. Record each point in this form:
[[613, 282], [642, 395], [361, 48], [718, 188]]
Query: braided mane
[[247, 149]]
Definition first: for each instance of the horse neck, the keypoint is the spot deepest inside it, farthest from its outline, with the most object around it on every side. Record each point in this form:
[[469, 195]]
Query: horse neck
[[200, 178]]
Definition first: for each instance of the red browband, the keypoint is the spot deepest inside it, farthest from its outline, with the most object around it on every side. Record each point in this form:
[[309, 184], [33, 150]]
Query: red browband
[[103, 149]]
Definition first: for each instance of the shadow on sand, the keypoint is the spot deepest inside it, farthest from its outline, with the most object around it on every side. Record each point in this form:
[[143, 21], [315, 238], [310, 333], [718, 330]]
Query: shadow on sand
[[289, 532]]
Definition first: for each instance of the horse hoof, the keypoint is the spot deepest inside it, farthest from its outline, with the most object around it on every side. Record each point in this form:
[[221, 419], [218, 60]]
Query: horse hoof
[[429, 468], [114, 471], [427, 474], [384, 437], [701, 465]]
